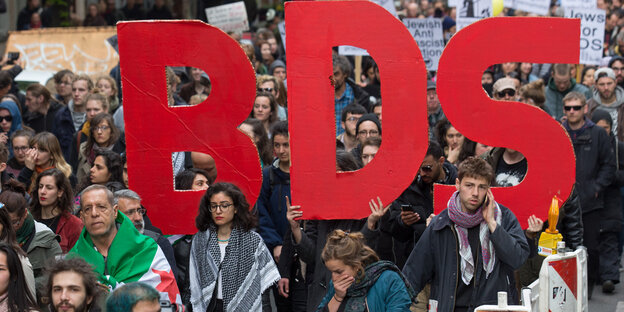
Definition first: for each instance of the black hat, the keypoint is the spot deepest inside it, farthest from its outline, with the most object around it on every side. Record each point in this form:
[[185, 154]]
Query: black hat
[[368, 117]]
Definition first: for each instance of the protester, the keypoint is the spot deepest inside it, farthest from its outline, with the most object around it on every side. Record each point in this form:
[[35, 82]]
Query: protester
[[14, 293], [366, 127], [345, 92], [70, 118], [103, 135], [483, 230], [587, 76], [109, 240], [360, 282], [108, 87], [265, 110], [129, 203], [94, 18], [611, 214], [107, 169], [256, 131], [72, 286], [52, 205], [349, 119], [97, 103], [194, 179], [7, 236], [10, 121], [134, 297], [63, 85], [199, 84], [609, 97], [243, 270], [560, 84], [20, 144], [434, 110], [533, 94], [42, 109], [35, 239], [595, 170], [370, 147], [450, 140], [44, 153]]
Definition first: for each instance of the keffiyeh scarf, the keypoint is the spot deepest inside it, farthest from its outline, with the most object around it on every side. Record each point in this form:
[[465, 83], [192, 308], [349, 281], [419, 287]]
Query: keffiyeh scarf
[[247, 270], [464, 221]]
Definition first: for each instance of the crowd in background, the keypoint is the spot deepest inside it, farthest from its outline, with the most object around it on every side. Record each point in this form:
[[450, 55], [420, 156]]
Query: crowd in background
[[65, 190]]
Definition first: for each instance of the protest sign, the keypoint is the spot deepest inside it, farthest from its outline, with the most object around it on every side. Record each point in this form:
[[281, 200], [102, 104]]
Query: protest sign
[[228, 17], [81, 50], [388, 5], [588, 4], [592, 33], [470, 11], [157, 130], [428, 34], [549, 152], [282, 30], [350, 50], [539, 7], [313, 174]]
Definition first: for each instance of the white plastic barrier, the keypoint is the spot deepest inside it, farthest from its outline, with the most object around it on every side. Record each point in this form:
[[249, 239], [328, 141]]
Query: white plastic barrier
[[502, 306], [563, 282]]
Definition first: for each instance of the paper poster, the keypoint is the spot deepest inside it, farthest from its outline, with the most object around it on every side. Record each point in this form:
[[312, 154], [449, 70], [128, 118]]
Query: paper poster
[[592, 33], [428, 34], [588, 4], [229, 17]]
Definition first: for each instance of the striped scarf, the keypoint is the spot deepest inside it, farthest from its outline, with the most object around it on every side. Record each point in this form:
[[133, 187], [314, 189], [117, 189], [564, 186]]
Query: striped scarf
[[464, 221], [247, 270]]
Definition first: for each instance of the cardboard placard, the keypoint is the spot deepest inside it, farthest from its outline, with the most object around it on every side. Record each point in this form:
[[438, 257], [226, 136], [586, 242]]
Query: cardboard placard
[[545, 143], [428, 34], [539, 7], [154, 130], [228, 17], [592, 33], [80, 49], [315, 185], [588, 4], [351, 50]]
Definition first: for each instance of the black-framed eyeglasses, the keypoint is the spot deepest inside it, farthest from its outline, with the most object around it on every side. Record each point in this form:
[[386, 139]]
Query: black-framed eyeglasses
[[225, 206], [265, 89], [575, 108], [20, 148], [427, 168], [510, 92], [370, 132], [7, 118]]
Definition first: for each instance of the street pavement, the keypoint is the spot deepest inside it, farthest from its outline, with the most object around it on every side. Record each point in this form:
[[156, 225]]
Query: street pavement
[[602, 302]]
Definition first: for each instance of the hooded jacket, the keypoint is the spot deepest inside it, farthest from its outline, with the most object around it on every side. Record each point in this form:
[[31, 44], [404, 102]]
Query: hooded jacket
[[596, 103], [16, 124], [554, 97]]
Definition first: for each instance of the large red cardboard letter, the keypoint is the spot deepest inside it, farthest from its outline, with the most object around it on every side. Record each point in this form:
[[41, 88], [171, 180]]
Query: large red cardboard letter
[[313, 28], [154, 130], [527, 129]]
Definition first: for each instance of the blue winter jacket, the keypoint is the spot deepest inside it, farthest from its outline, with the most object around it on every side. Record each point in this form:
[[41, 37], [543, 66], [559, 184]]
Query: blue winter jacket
[[387, 294], [271, 205]]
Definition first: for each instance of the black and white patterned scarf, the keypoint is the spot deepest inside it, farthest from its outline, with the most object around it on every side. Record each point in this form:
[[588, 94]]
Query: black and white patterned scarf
[[247, 270]]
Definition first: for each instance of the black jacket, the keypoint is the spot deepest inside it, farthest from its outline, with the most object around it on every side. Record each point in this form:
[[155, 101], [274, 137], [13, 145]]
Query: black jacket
[[360, 96], [39, 122], [595, 164], [435, 260]]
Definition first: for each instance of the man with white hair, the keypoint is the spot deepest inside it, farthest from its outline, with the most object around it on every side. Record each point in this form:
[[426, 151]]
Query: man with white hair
[[608, 96]]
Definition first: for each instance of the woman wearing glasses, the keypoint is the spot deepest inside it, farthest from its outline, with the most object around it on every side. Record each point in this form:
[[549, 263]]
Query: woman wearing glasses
[[52, 206], [103, 134], [230, 267]]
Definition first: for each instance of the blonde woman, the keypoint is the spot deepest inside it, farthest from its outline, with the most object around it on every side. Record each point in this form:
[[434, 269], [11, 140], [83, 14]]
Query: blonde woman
[[44, 153]]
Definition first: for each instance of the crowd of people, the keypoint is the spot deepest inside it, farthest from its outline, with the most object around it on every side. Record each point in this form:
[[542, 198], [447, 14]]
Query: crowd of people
[[73, 236]]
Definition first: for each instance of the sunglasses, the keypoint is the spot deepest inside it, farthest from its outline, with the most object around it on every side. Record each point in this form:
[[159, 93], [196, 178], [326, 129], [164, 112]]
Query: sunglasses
[[509, 92], [7, 118], [265, 89], [427, 168], [576, 108]]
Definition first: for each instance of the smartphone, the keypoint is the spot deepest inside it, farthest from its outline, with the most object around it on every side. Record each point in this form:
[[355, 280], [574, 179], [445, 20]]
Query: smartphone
[[12, 57], [406, 207]]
